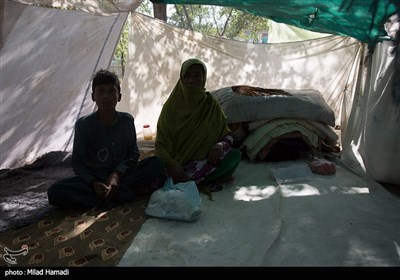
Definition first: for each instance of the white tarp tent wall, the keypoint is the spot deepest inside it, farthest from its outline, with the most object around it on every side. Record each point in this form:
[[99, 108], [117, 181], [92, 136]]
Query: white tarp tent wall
[[157, 49], [47, 59], [48, 56], [372, 125]]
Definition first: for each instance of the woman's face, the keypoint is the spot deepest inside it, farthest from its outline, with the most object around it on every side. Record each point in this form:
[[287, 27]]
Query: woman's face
[[194, 76]]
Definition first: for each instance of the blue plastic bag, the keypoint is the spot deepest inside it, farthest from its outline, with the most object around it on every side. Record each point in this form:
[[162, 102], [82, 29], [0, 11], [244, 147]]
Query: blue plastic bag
[[180, 201]]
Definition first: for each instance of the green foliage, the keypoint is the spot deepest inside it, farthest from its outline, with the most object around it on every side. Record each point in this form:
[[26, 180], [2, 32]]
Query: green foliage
[[146, 7], [121, 51], [193, 17], [246, 27], [219, 21]]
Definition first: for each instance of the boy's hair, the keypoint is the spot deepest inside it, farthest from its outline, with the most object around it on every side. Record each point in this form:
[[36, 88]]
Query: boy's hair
[[106, 77]]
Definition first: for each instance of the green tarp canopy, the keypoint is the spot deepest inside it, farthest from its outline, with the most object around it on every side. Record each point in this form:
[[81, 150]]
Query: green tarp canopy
[[360, 19]]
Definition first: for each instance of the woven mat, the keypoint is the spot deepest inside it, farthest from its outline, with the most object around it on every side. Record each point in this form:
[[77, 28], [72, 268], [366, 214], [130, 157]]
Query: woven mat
[[71, 238]]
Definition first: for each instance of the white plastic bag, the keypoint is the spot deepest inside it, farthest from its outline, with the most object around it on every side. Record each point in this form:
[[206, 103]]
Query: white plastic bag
[[180, 201]]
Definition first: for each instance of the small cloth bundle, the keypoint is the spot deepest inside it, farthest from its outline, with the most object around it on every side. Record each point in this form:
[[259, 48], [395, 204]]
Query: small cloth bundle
[[180, 201], [322, 166]]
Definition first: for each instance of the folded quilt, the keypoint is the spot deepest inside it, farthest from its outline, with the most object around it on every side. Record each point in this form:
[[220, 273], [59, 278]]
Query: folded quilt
[[262, 136]]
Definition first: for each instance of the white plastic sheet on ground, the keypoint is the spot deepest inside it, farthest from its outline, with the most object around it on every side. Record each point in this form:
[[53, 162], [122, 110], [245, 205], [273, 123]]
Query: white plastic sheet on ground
[[329, 220]]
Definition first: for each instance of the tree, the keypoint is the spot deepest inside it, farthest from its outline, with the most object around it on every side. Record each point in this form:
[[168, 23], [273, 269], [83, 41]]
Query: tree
[[121, 51], [218, 21], [160, 11]]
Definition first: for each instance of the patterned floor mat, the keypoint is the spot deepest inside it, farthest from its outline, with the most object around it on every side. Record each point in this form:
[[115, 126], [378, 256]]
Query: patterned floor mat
[[70, 238]]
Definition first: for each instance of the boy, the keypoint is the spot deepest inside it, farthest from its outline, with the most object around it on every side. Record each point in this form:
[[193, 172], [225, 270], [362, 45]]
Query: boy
[[105, 156]]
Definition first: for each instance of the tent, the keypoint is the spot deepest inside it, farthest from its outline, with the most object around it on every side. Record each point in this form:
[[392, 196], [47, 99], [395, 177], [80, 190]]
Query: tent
[[48, 56], [364, 95]]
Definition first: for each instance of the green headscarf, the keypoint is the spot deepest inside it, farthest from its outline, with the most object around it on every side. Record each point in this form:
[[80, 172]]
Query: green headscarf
[[190, 123]]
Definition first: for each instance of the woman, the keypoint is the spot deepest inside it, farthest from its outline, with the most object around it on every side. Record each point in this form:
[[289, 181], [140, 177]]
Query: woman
[[193, 138]]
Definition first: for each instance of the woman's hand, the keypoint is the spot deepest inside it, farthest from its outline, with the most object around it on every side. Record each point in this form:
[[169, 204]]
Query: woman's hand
[[215, 153], [178, 174]]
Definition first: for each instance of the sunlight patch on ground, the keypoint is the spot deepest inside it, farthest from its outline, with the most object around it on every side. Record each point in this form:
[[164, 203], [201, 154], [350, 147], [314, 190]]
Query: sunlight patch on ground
[[14, 206], [33, 187], [202, 238], [299, 190], [360, 251], [254, 193], [349, 190]]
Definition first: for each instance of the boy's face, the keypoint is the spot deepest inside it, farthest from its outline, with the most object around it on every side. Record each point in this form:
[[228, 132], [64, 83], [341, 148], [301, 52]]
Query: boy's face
[[106, 97]]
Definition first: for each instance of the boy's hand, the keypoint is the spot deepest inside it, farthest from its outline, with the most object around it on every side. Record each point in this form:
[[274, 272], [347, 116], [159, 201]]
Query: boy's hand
[[113, 184], [101, 190]]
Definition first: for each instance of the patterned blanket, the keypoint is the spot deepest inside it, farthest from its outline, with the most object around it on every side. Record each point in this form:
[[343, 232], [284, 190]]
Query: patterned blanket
[[34, 233], [71, 239]]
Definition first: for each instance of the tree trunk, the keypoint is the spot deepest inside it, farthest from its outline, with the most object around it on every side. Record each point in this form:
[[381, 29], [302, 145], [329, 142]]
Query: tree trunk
[[160, 11]]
